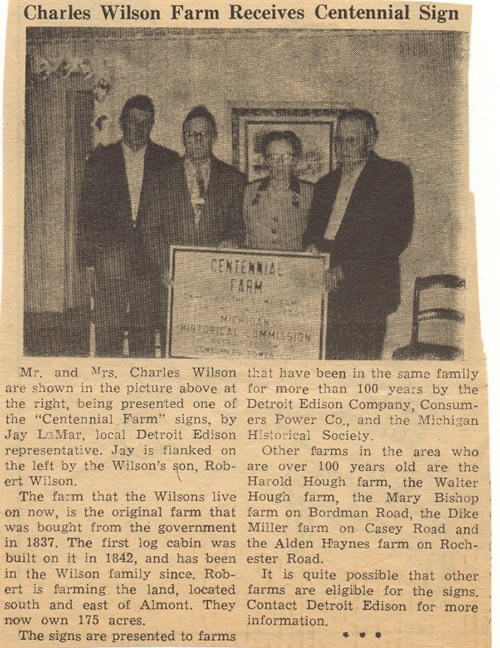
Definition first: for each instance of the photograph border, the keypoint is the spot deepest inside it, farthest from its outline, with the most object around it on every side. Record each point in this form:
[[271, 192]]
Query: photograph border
[[243, 116], [179, 249]]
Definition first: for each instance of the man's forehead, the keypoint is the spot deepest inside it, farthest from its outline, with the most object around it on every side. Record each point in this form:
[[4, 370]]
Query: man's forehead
[[280, 145], [353, 125], [198, 124], [140, 115]]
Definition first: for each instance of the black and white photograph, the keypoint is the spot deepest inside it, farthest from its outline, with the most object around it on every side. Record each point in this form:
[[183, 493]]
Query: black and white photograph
[[246, 397], [247, 154]]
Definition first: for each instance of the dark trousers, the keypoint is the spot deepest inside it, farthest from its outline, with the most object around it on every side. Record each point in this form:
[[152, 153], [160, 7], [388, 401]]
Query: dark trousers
[[133, 305], [356, 341], [111, 342]]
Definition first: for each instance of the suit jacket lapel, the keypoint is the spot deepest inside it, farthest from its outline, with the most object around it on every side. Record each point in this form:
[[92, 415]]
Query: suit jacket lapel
[[331, 195], [357, 196], [121, 180], [187, 197], [213, 185], [149, 167], [363, 181]]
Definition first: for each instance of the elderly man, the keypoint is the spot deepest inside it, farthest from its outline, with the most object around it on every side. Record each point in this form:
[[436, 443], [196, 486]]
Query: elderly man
[[362, 215], [119, 226], [205, 195]]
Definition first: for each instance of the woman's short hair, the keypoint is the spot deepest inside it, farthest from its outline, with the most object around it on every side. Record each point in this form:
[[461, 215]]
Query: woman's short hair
[[277, 136]]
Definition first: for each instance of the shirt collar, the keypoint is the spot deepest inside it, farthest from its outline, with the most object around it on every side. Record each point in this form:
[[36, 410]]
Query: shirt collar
[[355, 172], [128, 152], [192, 168], [293, 186]]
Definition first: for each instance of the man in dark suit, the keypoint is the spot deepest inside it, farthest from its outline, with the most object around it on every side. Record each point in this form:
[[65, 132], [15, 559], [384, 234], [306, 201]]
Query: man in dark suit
[[362, 215], [205, 195], [119, 232]]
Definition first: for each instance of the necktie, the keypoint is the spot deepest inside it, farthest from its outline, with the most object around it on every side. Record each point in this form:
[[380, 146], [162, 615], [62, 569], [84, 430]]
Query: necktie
[[201, 183], [201, 197]]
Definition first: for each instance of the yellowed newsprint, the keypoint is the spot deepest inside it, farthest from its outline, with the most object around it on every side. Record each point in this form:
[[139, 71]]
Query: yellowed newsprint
[[243, 389]]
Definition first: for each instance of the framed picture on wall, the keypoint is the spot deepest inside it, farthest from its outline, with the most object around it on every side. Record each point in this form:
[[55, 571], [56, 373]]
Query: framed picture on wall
[[315, 127]]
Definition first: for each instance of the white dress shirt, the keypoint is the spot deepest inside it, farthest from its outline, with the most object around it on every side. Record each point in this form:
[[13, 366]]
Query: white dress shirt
[[134, 166], [346, 187]]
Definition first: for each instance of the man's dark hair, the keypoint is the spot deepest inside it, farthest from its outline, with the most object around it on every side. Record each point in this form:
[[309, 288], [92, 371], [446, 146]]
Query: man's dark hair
[[141, 102], [363, 115], [276, 136], [201, 111]]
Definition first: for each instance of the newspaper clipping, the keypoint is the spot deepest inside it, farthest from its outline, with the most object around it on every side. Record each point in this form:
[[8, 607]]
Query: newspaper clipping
[[244, 398]]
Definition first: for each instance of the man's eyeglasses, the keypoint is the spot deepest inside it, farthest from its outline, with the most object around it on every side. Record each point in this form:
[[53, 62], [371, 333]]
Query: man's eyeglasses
[[197, 134], [281, 156]]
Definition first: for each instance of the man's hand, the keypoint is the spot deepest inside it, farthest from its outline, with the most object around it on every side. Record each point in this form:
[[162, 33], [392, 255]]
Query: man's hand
[[228, 243], [165, 278], [312, 249], [333, 278]]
